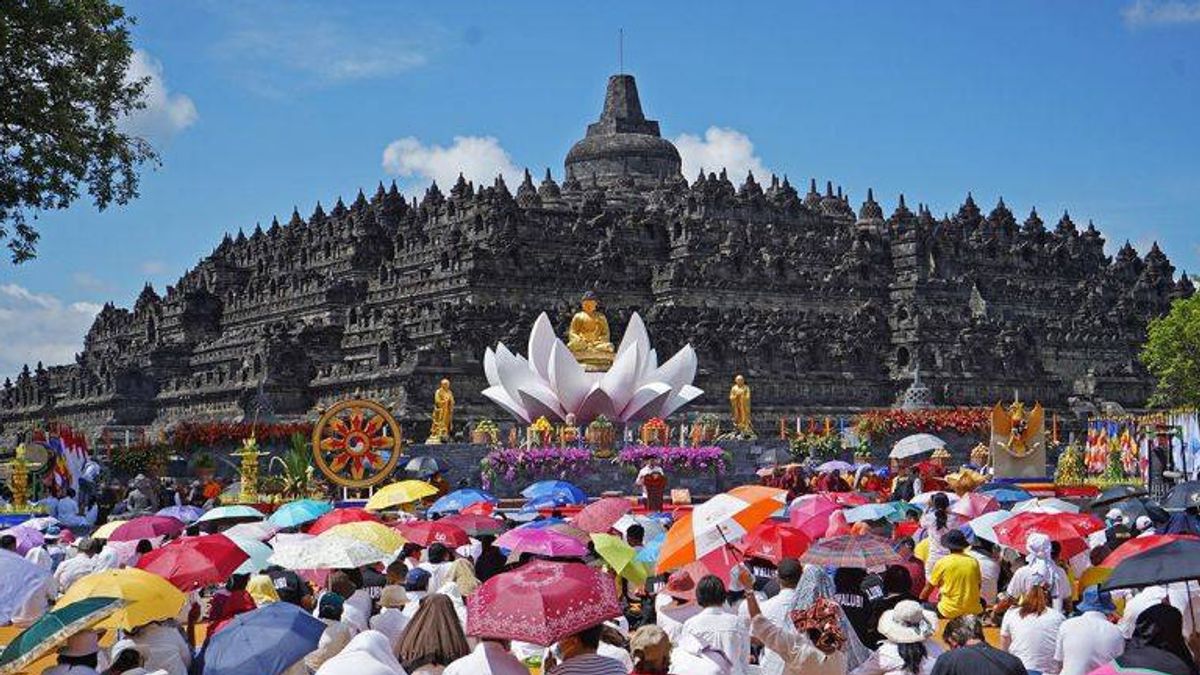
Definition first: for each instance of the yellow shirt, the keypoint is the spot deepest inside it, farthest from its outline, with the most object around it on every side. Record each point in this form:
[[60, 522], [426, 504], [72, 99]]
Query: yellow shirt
[[957, 578]]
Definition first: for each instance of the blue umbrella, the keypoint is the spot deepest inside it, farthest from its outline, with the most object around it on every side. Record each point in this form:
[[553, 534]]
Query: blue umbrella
[[869, 512], [568, 491], [267, 640], [552, 501], [1005, 492], [184, 514], [299, 512], [650, 551], [461, 499], [543, 523]]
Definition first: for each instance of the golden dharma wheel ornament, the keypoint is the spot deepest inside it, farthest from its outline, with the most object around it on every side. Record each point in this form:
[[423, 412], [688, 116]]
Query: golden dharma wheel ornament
[[356, 443]]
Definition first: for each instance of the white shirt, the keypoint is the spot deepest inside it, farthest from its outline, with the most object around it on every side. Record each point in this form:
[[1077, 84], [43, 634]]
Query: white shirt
[[724, 630], [641, 477], [936, 550], [671, 617], [488, 658], [70, 670], [1023, 579], [887, 661], [437, 573], [390, 621], [1176, 594], [777, 610], [66, 510], [35, 606], [41, 557], [163, 648], [1033, 639], [796, 651], [72, 569], [1087, 642]]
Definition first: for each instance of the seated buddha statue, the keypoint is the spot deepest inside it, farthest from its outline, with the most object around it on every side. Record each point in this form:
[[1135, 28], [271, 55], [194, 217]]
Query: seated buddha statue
[[588, 337]]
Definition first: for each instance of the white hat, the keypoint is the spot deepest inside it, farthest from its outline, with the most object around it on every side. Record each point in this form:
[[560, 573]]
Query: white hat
[[907, 623], [1114, 514], [1143, 523], [123, 646]]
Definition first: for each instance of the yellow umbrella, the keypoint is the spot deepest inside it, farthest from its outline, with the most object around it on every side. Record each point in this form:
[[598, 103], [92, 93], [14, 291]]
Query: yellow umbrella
[[148, 597], [404, 492], [105, 531], [621, 557], [378, 535]]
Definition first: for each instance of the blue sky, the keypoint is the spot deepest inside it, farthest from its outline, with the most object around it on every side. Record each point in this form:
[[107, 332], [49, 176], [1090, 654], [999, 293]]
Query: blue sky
[[256, 107]]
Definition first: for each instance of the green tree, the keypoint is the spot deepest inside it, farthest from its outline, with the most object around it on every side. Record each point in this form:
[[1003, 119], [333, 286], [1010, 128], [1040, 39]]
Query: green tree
[[1172, 353], [63, 90]]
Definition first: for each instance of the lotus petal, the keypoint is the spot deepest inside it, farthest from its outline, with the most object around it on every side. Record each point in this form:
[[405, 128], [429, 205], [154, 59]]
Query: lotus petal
[[514, 372], [679, 370], [595, 404], [621, 379], [500, 397], [489, 368], [567, 377], [541, 340], [684, 396], [635, 336], [646, 401], [539, 400]]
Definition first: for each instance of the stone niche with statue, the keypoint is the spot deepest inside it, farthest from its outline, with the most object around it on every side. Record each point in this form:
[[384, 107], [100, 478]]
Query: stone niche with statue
[[1018, 443]]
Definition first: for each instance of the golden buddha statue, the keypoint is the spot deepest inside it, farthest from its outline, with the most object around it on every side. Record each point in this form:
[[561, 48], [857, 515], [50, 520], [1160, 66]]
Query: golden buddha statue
[[443, 414], [588, 337], [739, 405]]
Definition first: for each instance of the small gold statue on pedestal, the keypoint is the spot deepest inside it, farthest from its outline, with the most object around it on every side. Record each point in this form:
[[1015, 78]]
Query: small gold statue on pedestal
[[588, 337], [739, 406], [443, 414], [568, 434], [249, 471], [18, 480]]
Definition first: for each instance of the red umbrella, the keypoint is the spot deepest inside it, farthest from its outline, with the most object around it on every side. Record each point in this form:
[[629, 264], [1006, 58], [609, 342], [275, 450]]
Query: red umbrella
[[1069, 529], [195, 561], [341, 517], [599, 516], [542, 602], [1138, 545], [775, 541], [479, 509], [974, 504], [474, 525], [426, 532], [147, 527]]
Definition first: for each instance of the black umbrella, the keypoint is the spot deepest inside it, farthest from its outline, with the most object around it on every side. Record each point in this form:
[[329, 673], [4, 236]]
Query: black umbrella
[[422, 466], [1130, 508], [1176, 561], [1182, 496], [1114, 494]]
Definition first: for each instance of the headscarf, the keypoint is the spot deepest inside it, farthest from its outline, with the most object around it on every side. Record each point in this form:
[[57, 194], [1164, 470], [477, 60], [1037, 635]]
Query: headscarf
[[434, 636], [462, 573], [1158, 644], [816, 584], [1041, 562], [262, 589], [369, 653]]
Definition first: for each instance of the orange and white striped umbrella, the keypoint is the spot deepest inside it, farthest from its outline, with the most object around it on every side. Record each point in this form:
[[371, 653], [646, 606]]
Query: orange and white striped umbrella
[[722, 520]]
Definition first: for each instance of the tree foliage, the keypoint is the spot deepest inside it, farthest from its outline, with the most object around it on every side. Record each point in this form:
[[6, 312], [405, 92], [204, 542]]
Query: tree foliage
[[63, 91], [1172, 353]]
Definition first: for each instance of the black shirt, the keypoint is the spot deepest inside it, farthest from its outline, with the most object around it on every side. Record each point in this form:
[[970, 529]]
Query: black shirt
[[978, 659], [288, 586]]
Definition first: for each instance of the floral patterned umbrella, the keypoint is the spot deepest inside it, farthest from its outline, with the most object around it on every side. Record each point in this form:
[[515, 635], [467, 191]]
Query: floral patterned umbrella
[[600, 516]]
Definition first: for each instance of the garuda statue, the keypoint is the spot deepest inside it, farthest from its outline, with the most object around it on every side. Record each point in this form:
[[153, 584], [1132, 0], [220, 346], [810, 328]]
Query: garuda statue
[[1016, 432]]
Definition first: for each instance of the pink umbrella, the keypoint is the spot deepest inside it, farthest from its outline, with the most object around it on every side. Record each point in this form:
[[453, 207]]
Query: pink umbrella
[[974, 504], [27, 538], [258, 531], [599, 516], [810, 514], [542, 602], [147, 527], [541, 541]]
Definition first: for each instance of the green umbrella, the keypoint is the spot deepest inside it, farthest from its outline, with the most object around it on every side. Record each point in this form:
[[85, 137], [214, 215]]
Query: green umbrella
[[621, 557], [53, 629]]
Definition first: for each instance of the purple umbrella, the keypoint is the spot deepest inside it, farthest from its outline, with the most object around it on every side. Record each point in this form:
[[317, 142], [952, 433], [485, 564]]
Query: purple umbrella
[[27, 538], [184, 514], [836, 465], [541, 542]]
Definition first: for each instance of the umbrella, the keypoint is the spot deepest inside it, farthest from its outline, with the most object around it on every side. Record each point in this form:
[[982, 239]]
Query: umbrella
[[106, 529], [1139, 545], [621, 558], [1045, 505], [261, 530], [258, 552], [862, 551], [651, 549], [474, 526], [426, 532], [916, 444], [19, 579], [900, 510], [378, 535], [846, 499], [184, 514], [328, 551], [810, 513], [1005, 493], [480, 509], [299, 512], [1178, 560], [836, 465], [341, 517], [541, 541], [235, 512], [195, 561], [716, 523], [547, 501], [148, 597], [52, 629], [460, 499], [1114, 494], [974, 504], [397, 494], [984, 526], [869, 512], [1069, 529], [922, 500], [600, 516], [266, 641], [147, 527], [27, 538], [41, 523], [1130, 508], [775, 541], [422, 466], [652, 528], [568, 491], [542, 602], [1182, 496]]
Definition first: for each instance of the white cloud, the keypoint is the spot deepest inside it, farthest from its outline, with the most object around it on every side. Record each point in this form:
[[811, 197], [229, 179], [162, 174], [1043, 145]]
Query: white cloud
[[721, 148], [86, 281], [40, 327], [166, 112], [1161, 12], [153, 267], [479, 158]]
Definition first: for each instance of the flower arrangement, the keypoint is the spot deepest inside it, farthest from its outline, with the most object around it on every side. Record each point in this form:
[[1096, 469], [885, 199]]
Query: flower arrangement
[[147, 458], [602, 436], [541, 432], [706, 429], [520, 464], [708, 459], [817, 445], [875, 424], [185, 435], [655, 432], [485, 432]]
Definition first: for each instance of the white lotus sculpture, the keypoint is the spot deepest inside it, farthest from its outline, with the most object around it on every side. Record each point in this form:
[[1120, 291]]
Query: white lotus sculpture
[[553, 384]]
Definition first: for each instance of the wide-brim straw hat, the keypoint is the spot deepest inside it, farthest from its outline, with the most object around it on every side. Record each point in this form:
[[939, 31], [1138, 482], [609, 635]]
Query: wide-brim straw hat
[[907, 623]]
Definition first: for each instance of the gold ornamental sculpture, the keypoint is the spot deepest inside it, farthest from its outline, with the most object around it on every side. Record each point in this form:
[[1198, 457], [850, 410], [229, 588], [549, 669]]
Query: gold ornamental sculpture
[[248, 472], [739, 406], [443, 414], [356, 443], [18, 480], [588, 338], [1018, 442]]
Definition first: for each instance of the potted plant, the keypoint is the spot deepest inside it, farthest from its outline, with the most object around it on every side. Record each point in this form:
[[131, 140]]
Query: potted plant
[[601, 435]]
